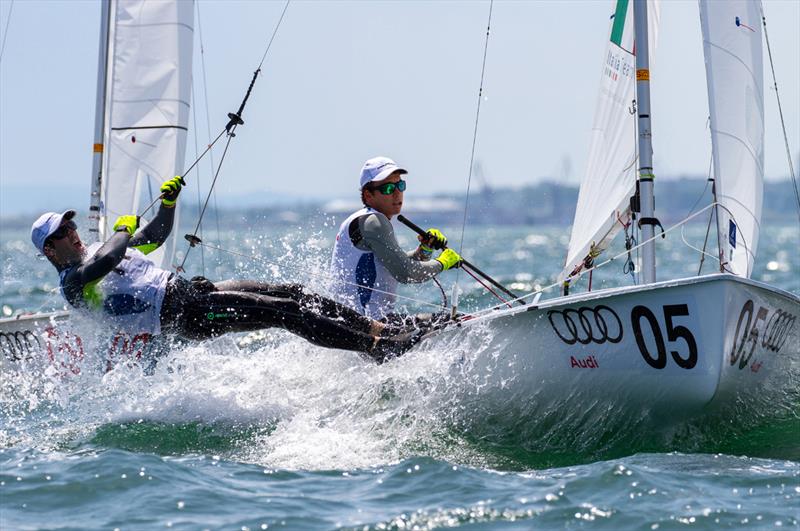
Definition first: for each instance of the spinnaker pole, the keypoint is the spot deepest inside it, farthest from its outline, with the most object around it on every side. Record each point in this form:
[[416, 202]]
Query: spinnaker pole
[[647, 221], [95, 200]]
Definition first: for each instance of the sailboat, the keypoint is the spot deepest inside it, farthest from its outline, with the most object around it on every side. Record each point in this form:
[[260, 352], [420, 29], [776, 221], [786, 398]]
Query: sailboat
[[141, 123], [674, 348]]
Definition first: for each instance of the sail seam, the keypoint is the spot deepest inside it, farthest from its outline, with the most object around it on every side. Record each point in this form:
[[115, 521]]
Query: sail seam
[[747, 148], [743, 64]]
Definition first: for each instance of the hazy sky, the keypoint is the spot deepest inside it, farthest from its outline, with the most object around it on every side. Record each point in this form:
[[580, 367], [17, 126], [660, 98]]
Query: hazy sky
[[348, 80]]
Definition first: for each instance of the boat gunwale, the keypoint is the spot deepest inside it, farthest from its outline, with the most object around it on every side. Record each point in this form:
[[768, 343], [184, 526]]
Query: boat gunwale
[[623, 290]]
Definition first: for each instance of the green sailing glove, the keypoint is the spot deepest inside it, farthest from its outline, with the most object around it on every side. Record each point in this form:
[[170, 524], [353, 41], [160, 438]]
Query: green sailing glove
[[433, 239], [170, 190], [449, 259], [128, 224]]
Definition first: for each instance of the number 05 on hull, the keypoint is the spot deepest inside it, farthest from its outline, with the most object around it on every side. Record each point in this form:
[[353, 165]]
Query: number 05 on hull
[[676, 348]]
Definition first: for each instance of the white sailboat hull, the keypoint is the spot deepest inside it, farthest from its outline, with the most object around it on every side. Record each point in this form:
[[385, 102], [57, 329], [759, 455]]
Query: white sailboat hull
[[672, 350]]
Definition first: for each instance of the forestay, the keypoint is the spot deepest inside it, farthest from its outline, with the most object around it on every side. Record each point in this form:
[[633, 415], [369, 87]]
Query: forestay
[[610, 177], [734, 73], [148, 88]]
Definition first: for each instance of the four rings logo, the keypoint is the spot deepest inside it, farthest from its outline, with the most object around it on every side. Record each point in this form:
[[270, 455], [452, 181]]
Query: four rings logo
[[19, 345], [777, 331], [585, 325], [769, 329]]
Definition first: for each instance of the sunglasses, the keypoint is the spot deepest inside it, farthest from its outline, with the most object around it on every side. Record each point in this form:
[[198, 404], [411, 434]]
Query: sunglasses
[[389, 188], [63, 230]]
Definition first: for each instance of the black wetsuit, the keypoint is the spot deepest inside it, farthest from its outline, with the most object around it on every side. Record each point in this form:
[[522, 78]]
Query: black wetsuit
[[200, 309]]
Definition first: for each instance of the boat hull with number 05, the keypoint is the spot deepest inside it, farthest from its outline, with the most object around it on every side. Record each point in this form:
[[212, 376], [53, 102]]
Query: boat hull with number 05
[[677, 348]]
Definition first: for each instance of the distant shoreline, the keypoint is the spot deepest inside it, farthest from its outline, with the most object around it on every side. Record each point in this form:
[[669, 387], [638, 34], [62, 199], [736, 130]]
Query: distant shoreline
[[545, 203]]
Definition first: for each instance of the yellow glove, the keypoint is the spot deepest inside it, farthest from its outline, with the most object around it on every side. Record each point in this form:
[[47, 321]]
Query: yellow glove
[[449, 259], [128, 224], [170, 190], [433, 239]]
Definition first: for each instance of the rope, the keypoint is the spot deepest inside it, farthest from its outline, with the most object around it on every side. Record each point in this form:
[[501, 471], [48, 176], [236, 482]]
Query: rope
[[474, 139], [278, 25], [780, 110], [205, 205], [199, 184], [559, 284], [235, 120], [5, 32], [490, 290], [208, 114], [151, 205], [702, 251], [312, 274], [444, 295]]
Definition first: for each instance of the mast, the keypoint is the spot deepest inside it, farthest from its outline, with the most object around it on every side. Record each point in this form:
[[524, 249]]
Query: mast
[[99, 121], [647, 221]]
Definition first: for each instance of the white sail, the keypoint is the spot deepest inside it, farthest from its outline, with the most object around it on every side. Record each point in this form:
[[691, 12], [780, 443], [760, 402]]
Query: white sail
[[734, 73], [610, 177], [148, 92]]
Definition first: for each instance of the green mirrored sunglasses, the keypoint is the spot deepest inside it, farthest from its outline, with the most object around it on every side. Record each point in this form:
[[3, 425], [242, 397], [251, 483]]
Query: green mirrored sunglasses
[[389, 188]]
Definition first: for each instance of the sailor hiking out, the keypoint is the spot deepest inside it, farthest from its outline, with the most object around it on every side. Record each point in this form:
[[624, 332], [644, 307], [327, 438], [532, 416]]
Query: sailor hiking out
[[117, 284], [367, 262]]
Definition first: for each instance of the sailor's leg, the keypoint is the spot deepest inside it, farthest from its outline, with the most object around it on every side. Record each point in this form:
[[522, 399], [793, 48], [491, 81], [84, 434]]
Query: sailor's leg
[[220, 312], [309, 300]]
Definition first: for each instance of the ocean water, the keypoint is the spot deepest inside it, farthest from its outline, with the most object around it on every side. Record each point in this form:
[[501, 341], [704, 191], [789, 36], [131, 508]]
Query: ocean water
[[278, 433]]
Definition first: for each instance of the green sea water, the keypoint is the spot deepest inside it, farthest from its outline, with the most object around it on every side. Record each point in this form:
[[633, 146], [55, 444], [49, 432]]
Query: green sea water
[[282, 434]]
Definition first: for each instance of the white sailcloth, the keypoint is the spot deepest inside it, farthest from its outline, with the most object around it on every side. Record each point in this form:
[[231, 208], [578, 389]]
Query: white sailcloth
[[610, 177], [147, 107], [732, 43]]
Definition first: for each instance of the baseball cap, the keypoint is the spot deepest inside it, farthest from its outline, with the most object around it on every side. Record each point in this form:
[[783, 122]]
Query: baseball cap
[[378, 168], [46, 225]]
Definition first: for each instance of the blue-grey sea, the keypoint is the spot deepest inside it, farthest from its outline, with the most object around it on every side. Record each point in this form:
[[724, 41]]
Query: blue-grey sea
[[280, 434]]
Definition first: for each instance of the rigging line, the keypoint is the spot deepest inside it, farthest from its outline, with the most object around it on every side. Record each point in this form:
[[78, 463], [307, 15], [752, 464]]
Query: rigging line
[[444, 295], [208, 115], [490, 290], [710, 217], [199, 182], [231, 135], [780, 109], [274, 32], [211, 145], [322, 276], [559, 284], [475, 134], [5, 31]]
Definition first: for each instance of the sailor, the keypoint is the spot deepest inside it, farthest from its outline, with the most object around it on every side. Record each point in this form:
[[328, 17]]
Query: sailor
[[116, 283], [367, 262]]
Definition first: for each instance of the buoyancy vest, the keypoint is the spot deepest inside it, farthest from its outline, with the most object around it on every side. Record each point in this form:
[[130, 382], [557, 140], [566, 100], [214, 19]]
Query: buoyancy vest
[[358, 274], [129, 296]]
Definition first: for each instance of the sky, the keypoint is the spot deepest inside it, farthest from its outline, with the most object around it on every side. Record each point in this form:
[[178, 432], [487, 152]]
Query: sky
[[345, 81]]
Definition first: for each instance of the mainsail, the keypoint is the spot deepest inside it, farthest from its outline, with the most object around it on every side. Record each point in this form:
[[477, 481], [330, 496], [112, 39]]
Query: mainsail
[[610, 178], [147, 96], [732, 43]]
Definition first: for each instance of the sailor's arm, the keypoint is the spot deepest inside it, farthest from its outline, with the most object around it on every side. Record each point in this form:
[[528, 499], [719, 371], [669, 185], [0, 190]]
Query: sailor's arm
[[79, 281], [151, 236], [378, 235]]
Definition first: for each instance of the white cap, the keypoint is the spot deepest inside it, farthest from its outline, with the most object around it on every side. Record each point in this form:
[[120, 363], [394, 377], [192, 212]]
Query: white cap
[[377, 169], [46, 225]]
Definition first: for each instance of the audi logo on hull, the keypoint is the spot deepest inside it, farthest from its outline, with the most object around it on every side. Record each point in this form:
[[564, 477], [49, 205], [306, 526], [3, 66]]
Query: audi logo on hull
[[586, 325]]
